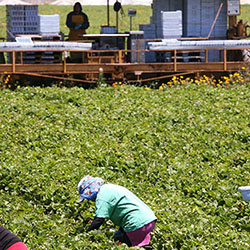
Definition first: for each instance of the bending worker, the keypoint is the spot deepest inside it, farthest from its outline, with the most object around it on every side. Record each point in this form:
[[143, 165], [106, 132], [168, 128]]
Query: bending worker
[[77, 22], [135, 219]]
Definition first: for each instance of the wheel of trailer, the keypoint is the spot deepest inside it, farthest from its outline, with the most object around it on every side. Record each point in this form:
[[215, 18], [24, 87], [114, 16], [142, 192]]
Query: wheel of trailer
[[246, 55]]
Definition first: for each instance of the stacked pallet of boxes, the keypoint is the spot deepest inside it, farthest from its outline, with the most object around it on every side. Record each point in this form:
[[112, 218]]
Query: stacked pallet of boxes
[[171, 24], [149, 33], [162, 5], [49, 28], [23, 20], [49, 25], [197, 19], [192, 22], [200, 18], [171, 28], [134, 44], [109, 42]]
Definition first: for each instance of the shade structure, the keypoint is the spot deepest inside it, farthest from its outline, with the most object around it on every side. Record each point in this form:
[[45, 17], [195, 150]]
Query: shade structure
[[102, 2], [13, 2]]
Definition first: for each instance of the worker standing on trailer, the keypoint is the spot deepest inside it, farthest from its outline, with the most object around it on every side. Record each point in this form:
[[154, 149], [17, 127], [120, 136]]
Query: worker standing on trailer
[[77, 22], [135, 219]]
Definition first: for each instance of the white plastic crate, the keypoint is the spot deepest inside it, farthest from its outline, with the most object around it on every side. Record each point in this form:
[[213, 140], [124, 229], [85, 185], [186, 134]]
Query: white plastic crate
[[171, 24], [49, 24]]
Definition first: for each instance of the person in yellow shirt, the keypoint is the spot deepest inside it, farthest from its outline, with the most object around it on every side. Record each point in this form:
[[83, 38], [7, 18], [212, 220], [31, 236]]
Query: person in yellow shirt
[[77, 22]]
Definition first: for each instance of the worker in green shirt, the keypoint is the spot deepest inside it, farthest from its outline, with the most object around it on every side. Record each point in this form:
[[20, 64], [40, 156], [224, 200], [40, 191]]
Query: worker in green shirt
[[135, 219]]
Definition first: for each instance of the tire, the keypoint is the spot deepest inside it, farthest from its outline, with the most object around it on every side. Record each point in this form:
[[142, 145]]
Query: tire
[[246, 55]]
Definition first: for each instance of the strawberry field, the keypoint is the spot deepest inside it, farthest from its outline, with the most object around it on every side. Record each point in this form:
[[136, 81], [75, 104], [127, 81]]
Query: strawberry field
[[183, 150]]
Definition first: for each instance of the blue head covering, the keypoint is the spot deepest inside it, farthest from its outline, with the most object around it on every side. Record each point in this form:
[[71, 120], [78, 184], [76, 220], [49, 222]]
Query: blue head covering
[[88, 187]]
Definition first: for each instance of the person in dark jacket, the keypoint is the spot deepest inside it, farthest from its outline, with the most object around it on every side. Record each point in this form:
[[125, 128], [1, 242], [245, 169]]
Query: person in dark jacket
[[8, 241], [78, 23]]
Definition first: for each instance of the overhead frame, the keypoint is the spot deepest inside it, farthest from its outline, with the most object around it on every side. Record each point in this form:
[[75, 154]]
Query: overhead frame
[[233, 7]]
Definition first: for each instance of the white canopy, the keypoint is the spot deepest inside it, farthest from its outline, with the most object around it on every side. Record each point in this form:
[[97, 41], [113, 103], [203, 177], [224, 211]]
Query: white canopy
[[13, 2], [102, 2]]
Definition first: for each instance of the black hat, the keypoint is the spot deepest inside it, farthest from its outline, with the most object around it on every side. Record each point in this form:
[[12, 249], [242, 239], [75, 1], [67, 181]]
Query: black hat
[[117, 6], [78, 4]]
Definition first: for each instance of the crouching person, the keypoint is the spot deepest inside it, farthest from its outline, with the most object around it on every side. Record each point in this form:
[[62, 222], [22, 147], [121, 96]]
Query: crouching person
[[135, 219], [9, 241]]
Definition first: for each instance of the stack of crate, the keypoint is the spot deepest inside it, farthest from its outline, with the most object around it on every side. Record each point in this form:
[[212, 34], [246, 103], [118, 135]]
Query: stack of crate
[[49, 24], [15, 17], [134, 44], [149, 33], [163, 5], [171, 24], [31, 24], [45, 57], [21, 19]]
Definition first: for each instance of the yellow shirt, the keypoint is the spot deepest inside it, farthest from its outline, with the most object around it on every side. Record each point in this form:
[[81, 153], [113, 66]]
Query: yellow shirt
[[76, 34]]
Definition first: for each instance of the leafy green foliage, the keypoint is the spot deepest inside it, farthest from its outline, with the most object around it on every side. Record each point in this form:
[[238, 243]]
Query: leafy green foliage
[[183, 150]]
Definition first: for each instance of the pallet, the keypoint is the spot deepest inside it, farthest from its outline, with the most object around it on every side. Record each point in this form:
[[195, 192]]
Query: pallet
[[47, 57]]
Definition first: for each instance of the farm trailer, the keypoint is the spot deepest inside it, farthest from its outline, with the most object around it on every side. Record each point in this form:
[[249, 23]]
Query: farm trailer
[[115, 68], [199, 20]]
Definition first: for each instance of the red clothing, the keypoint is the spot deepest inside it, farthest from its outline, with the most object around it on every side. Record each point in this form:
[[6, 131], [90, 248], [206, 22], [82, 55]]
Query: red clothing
[[18, 246], [9, 241], [141, 237]]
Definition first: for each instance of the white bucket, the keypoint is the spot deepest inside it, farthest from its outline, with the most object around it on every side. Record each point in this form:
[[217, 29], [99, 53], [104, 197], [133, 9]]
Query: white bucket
[[245, 191]]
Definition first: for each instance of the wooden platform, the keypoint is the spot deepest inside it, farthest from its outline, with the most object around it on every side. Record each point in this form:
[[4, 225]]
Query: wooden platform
[[115, 67]]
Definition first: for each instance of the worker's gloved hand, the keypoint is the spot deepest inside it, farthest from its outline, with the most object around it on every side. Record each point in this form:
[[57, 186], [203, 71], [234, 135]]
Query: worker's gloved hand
[[122, 237], [78, 27], [118, 235]]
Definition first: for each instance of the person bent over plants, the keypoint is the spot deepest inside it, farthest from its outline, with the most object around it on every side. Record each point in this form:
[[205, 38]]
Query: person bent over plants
[[135, 219], [9, 241]]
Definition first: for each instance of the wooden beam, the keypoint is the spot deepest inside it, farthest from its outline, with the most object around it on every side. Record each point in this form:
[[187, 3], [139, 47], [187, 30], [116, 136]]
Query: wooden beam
[[166, 76], [14, 61], [64, 62], [58, 78], [225, 60], [175, 61], [215, 20]]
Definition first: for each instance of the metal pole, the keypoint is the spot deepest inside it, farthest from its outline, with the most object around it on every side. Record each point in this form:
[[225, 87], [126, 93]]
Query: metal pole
[[232, 21], [130, 23], [108, 12], [117, 17]]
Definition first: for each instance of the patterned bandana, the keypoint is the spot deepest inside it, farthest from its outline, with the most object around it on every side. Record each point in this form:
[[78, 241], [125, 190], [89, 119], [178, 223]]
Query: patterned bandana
[[88, 187]]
